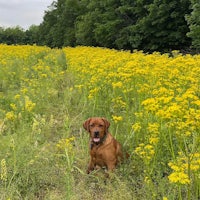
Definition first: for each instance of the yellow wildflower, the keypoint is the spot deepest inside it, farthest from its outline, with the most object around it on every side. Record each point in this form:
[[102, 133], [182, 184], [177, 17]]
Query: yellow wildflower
[[153, 128], [10, 116], [65, 144], [44, 75], [179, 177], [17, 96], [145, 152], [147, 180], [24, 90], [136, 127], [197, 102], [153, 140], [117, 84], [118, 102], [13, 106], [92, 93], [151, 104], [29, 105], [117, 118]]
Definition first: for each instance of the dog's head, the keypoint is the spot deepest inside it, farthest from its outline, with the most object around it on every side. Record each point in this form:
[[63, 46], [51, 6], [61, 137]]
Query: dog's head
[[97, 127]]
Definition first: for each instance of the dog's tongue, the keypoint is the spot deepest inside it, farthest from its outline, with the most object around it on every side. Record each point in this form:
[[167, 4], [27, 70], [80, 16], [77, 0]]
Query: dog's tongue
[[96, 139]]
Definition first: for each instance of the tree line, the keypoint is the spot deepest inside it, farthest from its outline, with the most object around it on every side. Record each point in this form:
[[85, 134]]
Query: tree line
[[148, 25]]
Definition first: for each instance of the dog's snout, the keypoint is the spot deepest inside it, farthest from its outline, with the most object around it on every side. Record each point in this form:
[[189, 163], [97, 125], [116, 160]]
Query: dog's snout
[[96, 133]]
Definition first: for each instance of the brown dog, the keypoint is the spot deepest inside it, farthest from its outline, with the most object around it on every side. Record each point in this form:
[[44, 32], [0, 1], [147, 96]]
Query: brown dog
[[105, 151]]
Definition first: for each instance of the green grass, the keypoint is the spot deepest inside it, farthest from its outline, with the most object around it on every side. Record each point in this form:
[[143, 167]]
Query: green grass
[[44, 149], [35, 167]]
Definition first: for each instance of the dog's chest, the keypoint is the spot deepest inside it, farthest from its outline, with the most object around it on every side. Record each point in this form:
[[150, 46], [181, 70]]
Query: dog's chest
[[97, 154], [95, 150]]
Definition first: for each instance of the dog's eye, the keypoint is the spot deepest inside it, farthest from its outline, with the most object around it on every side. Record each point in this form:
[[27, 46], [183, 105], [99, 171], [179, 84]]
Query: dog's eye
[[91, 125], [100, 125]]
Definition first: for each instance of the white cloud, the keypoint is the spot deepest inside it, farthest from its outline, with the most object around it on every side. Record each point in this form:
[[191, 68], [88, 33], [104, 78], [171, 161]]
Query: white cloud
[[22, 12]]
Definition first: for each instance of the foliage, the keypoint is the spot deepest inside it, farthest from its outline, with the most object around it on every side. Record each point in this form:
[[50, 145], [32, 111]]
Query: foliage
[[32, 34], [57, 28], [194, 24], [12, 35], [148, 25], [151, 100], [162, 26]]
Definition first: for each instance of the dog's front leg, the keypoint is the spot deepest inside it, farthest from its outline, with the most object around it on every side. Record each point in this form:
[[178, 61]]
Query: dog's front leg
[[90, 166], [111, 165]]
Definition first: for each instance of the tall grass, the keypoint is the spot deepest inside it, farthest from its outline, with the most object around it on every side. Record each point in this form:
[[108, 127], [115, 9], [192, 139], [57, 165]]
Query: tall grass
[[152, 102]]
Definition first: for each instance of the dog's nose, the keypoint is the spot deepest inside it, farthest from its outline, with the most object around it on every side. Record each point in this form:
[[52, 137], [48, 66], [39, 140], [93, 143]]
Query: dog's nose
[[96, 134]]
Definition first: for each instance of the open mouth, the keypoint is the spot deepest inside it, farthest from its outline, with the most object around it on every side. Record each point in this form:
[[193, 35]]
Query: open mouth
[[96, 139]]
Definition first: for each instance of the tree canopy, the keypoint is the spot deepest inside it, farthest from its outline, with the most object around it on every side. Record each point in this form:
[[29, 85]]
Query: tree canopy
[[149, 25]]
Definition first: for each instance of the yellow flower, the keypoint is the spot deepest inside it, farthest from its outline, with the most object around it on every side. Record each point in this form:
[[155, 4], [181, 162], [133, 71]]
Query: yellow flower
[[44, 75], [29, 105], [153, 140], [182, 166], [176, 167], [150, 149], [147, 180], [17, 96], [10, 116], [13, 106], [153, 128], [65, 144], [117, 84], [92, 93], [24, 90], [146, 152], [117, 118], [118, 102], [151, 104], [197, 102], [179, 177], [136, 127]]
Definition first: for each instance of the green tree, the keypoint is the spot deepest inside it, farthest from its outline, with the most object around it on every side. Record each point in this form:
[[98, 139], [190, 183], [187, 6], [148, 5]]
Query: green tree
[[58, 26], [73, 9], [100, 25], [147, 25], [15, 35], [194, 24], [1, 34], [141, 24], [128, 14], [160, 25], [32, 35], [85, 25], [46, 35], [108, 23]]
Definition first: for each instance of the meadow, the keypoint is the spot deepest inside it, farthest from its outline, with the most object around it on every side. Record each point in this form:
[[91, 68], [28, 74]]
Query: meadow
[[151, 100]]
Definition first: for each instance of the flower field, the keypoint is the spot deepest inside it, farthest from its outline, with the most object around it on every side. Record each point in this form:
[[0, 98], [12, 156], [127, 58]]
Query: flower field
[[151, 100]]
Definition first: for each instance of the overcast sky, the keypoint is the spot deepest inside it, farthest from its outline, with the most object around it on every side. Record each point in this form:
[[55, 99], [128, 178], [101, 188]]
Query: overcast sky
[[22, 12]]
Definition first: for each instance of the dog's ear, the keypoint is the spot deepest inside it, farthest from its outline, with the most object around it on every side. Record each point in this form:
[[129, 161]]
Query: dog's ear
[[86, 125], [107, 123]]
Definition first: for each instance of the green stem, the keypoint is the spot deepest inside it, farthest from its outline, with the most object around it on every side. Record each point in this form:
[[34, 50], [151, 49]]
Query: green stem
[[179, 192]]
